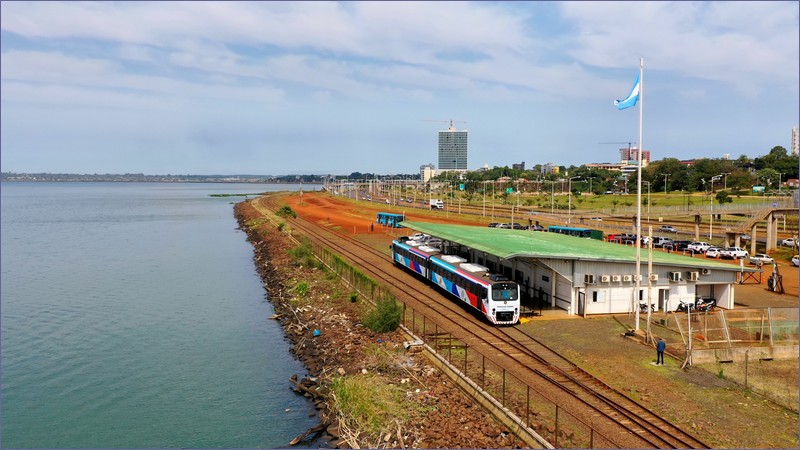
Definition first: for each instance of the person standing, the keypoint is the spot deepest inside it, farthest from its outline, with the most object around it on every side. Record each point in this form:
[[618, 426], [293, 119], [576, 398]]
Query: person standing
[[660, 347]]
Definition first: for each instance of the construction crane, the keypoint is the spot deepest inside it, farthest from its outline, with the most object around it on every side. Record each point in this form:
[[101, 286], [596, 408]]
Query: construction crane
[[615, 143], [445, 121]]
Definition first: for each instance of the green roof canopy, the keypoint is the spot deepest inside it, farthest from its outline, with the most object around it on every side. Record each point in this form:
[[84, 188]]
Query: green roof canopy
[[509, 243]]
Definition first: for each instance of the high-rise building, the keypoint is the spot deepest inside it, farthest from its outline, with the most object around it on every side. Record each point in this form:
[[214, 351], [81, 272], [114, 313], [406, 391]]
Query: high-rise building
[[452, 149], [628, 154], [795, 141]]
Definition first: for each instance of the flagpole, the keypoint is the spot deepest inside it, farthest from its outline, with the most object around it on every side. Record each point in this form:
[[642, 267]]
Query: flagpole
[[639, 197]]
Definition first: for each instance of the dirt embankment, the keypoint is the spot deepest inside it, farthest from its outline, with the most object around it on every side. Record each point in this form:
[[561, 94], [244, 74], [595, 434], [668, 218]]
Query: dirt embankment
[[439, 415]]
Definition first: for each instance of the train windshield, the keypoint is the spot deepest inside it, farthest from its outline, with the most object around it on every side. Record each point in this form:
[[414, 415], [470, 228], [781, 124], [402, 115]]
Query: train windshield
[[505, 292]]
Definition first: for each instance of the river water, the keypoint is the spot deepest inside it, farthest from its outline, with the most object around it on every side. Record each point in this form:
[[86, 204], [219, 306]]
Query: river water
[[132, 316]]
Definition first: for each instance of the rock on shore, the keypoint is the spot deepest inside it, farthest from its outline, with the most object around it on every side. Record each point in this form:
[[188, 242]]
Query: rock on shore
[[324, 331]]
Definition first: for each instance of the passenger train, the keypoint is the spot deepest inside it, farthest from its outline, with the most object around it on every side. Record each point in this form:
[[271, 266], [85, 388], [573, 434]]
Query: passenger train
[[497, 298]]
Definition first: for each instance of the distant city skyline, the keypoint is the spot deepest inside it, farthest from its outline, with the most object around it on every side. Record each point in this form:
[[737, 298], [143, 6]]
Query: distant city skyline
[[340, 87]]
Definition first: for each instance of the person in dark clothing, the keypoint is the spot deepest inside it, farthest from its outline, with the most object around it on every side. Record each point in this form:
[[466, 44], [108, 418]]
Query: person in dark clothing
[[660, 347]]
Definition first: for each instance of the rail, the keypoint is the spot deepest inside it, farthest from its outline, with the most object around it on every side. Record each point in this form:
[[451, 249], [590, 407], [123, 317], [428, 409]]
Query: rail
[[533, 406]]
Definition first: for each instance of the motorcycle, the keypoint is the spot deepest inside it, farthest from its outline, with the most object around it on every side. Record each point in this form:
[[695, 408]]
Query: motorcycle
[[683, 306], [705, 305]]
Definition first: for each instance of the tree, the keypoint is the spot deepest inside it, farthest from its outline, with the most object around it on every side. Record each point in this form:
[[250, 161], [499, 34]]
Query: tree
[[723, 197]]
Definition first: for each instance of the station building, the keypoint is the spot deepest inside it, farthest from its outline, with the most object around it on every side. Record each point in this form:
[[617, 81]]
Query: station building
[[588, 276]]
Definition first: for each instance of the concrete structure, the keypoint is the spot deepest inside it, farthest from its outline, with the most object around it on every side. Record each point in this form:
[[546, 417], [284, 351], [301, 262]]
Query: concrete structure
[[452, 149], [426, 172], [587, 276], [795, 141], [630, 155], [550, 168]]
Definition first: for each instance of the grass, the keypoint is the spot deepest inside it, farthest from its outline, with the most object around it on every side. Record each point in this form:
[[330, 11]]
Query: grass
[[369, 403]]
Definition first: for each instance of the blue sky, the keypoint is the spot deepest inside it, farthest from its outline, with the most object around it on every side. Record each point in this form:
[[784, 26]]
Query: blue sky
[[333, 88]]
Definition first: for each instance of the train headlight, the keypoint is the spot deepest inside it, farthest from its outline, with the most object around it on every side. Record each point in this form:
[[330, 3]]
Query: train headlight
[[493, 310], [505, 302]]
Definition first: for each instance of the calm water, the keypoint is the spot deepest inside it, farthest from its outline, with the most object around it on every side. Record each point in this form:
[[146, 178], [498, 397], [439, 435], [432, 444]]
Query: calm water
[[132, 316]]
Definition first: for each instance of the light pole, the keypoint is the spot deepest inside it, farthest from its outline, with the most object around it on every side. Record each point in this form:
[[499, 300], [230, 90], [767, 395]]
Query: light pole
[[780, 177], [569, 199], [666, 175], [484, 198], [648, 200], [725, 180], [711, 218]]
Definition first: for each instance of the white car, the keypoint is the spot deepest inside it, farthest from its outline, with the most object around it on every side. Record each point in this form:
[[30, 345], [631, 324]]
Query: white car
[[733, 253], [761, 259], [668, 229], [789, 242], [698, 247], [796, 260], [713, 252]]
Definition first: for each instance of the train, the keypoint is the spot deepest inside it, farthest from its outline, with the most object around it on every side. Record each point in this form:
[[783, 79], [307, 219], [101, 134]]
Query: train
[[492, 295]]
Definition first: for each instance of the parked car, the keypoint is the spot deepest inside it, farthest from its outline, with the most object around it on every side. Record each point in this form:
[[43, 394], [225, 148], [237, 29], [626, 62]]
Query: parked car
[[517, 226], [680, 245], [733, 253], [493, 225], [713, 252], [760, 259], [668, 229], [503, 225], [789, 242], [796, 260], [698, 246], [659, 241], [536, 228]]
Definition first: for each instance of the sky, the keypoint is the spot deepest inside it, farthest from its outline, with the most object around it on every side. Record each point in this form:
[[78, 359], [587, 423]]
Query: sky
[[280, 88]]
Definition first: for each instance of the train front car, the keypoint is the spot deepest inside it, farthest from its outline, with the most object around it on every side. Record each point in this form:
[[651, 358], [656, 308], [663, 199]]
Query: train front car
[[503, 303]]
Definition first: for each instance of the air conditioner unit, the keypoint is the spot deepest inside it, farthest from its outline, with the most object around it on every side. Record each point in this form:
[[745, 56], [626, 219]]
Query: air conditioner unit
[[637, 277], [588, 278], [693, 276], [674, 276], [653, 277], [705, 271], [615, 278], [627, 278], [604, 278]]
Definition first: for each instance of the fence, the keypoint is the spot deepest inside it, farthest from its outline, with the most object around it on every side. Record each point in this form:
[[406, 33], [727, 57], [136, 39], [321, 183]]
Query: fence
[[523, 403]]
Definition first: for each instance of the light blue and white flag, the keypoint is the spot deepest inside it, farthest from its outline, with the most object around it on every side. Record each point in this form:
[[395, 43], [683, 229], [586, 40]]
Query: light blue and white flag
[[632, 98]]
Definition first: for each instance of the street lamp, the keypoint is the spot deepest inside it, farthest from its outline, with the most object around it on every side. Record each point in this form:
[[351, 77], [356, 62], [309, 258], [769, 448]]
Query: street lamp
[[666, 175], [711, 197], [569, 199]]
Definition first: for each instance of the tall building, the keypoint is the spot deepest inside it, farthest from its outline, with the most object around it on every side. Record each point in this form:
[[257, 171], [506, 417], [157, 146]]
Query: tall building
[[452, 149], [628, 154], [795, 141]]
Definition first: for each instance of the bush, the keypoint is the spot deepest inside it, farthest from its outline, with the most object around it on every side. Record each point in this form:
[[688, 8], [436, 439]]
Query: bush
[[286, 211], [384, 317]]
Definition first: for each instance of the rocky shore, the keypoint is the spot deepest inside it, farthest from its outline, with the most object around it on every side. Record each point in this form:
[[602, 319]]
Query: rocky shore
[[322, 324]]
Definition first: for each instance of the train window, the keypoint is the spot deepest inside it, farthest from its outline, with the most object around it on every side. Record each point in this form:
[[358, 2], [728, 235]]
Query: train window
[[504, 291]]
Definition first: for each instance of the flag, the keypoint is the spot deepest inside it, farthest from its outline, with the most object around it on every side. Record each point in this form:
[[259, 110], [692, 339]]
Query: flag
[[632, 98]]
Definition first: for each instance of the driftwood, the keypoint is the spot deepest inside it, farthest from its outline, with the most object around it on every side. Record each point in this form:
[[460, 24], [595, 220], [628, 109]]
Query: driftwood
[[313, 430]]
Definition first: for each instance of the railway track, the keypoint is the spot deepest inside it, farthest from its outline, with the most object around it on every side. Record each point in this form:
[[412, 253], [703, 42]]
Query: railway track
[[618, 418]]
